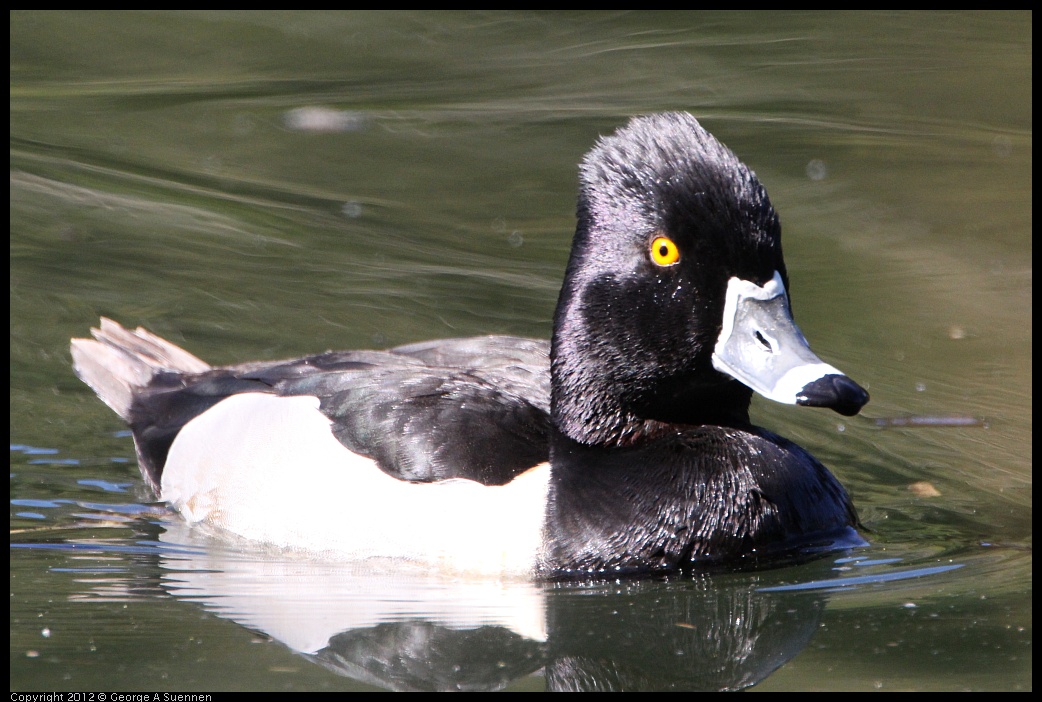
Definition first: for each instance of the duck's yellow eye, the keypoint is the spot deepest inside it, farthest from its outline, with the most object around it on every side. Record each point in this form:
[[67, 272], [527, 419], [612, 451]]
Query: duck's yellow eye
[[664, 252]]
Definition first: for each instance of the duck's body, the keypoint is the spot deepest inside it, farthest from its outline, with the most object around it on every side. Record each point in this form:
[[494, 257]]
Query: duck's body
[[623, 446]]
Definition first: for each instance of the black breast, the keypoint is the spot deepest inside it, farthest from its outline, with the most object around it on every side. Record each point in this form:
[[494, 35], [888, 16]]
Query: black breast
[[695, 499]]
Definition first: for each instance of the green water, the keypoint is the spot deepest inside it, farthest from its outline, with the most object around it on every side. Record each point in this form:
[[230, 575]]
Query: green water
[[163, 175]]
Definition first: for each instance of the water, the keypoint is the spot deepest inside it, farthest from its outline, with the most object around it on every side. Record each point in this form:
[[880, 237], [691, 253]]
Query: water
[[265, 185]]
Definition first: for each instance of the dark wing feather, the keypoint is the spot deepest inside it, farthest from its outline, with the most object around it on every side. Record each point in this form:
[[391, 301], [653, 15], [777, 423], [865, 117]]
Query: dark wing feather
[[460, 408], [474, 408]]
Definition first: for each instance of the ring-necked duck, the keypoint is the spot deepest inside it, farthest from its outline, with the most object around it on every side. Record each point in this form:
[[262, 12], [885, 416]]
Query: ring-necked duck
[[622, 446]]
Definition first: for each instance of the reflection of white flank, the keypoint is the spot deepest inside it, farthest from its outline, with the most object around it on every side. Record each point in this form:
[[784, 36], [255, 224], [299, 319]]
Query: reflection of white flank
[[303, 602]]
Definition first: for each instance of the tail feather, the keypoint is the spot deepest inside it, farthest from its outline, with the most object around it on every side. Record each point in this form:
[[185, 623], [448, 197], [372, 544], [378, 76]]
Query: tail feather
[[118, 361]]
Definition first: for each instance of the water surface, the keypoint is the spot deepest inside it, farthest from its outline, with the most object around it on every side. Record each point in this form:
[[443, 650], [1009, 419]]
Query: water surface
[[264, 185]]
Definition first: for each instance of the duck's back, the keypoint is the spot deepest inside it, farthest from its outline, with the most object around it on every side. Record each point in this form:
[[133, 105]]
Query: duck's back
[[474, 408]]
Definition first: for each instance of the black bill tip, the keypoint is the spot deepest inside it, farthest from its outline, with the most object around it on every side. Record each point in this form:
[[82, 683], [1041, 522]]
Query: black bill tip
[[837, 392]]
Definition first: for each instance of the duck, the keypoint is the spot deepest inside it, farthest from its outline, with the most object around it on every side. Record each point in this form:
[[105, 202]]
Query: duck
[[623, 446]]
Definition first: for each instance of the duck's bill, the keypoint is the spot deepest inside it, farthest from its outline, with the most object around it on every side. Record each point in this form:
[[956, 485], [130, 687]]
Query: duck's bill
[[761, 346]]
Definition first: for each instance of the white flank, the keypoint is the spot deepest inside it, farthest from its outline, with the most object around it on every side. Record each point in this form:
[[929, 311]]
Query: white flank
[[269, 469]]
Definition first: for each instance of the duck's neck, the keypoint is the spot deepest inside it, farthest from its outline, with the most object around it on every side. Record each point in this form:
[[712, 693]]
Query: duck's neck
[[590, 411], [602, 396]]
